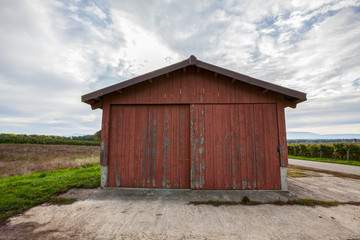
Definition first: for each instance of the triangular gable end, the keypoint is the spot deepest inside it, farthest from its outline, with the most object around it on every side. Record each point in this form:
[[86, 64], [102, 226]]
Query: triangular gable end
[[179, 76]]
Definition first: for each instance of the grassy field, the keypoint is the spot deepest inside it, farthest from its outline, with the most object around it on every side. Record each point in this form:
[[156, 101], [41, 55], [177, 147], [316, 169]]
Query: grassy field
[[18, 159], [329, 160], [32, 174], [19, 193]]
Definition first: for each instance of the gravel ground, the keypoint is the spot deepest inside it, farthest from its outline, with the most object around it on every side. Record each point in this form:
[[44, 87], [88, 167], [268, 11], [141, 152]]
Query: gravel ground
[[127, 214]]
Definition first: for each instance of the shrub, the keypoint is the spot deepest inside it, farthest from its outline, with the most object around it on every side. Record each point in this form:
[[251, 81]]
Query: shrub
[[343, 151]]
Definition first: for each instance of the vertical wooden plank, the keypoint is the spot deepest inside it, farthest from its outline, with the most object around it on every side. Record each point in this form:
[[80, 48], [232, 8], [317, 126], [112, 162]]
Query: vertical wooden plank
[[184, 87], [219, 149], [146, 88], [273, 149], [156, 143], [253, 94], [166, 139], [243, 146], [132, 155], [149, 143], [266, 108], [119, 110], [144, 133], [185, 145], [194, 140], [250, 146], [282, 130], [192, 85], [112, 148], [125, 157], [172, 146], [222, 90], [176, 146], [208, 146], [201, 146], [176, 85], [166, 87], [260, 146], [230, 89], [137, 147], [235, 147], [155, 91]]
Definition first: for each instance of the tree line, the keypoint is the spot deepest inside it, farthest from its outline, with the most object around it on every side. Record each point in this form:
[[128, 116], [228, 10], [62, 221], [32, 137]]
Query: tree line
[[89, 140]]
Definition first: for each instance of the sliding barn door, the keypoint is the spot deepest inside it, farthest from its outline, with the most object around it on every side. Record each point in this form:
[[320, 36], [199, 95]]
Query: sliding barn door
[[149, 146], [234, 146]]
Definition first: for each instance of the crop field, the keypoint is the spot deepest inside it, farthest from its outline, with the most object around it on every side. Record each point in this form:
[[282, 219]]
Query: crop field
[[18, 159]]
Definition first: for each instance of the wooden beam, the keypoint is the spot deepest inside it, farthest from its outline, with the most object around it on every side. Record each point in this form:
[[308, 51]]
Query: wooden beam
[[120, 91], [150, 80], [289, 104], [298, 100], [97, 105], [233, 80], [184, 69], [197, 69], [215, 74], [265, 90], [167, 75]]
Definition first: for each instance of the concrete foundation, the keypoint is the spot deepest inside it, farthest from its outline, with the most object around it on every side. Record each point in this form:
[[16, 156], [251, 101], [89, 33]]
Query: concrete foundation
[[283, 179], [104, 176]]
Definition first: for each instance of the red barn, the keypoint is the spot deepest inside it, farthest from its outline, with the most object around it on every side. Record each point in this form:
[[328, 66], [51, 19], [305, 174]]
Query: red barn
[[194, 125]]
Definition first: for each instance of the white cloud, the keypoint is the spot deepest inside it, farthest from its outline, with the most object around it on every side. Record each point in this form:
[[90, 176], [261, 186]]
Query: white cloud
[[53, 52]]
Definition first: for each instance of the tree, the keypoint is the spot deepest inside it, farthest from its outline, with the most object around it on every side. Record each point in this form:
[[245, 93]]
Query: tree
[[97, 135]]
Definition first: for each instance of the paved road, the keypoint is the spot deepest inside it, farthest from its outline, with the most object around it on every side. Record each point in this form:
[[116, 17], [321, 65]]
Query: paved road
[[348, 169]]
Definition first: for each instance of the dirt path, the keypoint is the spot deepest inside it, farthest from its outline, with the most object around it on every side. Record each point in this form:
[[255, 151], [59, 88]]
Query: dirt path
[[108, 214], [341, 168]]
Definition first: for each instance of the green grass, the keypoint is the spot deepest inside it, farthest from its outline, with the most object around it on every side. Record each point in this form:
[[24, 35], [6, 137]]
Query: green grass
[[19, 193], [329, 160], [56, 200]]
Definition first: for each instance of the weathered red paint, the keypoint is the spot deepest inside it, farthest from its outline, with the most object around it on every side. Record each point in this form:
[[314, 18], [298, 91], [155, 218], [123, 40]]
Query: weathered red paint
[[195, 87], [149, 146], [194, 130]]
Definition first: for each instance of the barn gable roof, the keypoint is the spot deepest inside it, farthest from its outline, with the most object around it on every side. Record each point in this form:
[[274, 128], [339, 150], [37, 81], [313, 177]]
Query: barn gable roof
[[291, 95]]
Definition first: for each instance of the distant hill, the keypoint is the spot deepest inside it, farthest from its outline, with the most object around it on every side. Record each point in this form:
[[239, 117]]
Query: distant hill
[[310, 135]]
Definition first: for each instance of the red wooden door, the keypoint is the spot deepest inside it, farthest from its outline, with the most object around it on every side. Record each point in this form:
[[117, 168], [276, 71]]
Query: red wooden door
[[149, 146], [233, 146]]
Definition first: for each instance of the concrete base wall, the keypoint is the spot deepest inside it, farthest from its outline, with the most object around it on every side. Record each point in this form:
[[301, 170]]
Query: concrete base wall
[[104, 176], [283, 179]]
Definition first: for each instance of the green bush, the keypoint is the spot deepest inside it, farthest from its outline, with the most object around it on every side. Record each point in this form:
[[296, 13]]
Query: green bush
[[341, 151]]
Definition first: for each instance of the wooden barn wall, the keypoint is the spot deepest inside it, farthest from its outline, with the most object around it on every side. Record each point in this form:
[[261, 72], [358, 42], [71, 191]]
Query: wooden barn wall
[[191, 87], [234, 146], [149, 146]]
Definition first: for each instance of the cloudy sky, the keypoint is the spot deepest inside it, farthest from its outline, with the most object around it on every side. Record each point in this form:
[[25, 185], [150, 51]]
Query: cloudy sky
[[52, 52]]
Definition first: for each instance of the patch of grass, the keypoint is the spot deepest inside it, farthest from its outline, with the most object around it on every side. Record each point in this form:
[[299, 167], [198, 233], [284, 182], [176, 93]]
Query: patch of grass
[[301, 202], [329, 160], [298, 173], [245, 200], [61, 200], [335, 174], [20, 193]]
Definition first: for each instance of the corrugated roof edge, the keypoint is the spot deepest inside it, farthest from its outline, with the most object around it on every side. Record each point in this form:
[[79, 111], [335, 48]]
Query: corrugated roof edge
[[192, 61]]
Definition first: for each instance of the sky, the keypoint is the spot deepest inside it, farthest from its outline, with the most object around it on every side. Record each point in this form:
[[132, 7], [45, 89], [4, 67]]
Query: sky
[[53, 52]]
